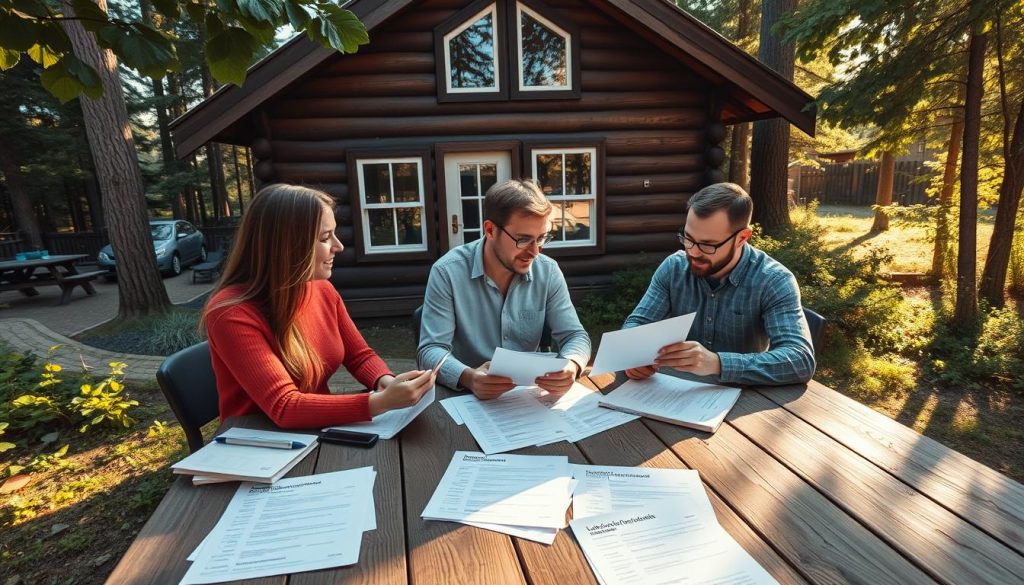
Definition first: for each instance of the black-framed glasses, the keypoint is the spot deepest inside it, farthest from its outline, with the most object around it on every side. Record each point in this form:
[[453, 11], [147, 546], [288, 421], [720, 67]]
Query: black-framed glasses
[[702, 246], [525, 241]]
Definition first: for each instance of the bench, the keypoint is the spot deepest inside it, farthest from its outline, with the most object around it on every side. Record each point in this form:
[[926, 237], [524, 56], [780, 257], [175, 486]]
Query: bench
[[206, 270], [83, 279]]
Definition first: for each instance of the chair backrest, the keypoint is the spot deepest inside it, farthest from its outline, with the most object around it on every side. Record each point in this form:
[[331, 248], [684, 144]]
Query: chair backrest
[[816, 323], [417, 319], [188, 383]]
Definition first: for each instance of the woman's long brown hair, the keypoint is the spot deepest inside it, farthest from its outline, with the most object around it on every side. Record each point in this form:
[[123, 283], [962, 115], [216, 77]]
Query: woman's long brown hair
[[271, 260]]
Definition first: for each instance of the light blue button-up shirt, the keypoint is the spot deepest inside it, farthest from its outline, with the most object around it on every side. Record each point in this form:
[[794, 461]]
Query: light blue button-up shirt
[[464, 309], [753, 320]]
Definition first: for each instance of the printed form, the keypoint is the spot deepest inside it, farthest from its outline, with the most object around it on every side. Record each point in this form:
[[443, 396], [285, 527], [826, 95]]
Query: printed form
[[512, 421], [390, 423]]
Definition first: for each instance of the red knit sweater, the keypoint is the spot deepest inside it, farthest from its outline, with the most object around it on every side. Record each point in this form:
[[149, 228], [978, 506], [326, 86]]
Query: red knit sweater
[[251, 376]]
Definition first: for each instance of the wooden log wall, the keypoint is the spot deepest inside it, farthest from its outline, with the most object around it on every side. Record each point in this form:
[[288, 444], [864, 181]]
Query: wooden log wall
[[657, 119]]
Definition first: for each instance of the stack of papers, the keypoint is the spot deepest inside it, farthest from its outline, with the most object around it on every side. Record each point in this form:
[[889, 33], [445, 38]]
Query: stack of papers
[[390, 423], [298, 524], [220, 462], [675, 400], [522, 495], [638, 525], [527, 416]]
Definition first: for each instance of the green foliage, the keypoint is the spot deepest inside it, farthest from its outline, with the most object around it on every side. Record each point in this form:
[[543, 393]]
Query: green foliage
[[104, 403], [174, 331], [606, 311], [237, 31], [992, 358]]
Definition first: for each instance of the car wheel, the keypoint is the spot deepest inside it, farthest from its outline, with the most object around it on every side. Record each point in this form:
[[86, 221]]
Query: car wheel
[[202, 253], [175, 265]]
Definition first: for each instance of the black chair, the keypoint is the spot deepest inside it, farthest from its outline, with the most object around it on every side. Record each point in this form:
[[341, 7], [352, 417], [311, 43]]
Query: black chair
[[816, 323], [417, 319], [206, 270], [188, 383]]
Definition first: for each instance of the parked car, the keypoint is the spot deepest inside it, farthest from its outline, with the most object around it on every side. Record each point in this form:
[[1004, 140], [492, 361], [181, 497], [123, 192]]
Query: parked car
[[177, 243]]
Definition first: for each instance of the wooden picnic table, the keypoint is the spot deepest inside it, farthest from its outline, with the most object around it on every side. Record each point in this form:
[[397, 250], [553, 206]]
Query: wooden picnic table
[[817, 487], [26, 275]]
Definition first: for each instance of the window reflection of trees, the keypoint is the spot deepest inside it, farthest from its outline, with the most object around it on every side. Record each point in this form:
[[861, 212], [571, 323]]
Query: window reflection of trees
[[472, 55], [544, 55]]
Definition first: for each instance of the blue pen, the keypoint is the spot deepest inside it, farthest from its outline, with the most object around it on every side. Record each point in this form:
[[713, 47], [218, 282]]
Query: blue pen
[[260, 442]]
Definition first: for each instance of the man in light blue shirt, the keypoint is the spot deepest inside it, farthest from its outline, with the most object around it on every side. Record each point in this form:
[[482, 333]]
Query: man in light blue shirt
[[750, 326], [499, 291]]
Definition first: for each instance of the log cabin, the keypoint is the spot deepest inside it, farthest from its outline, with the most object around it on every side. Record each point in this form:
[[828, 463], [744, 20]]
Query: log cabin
[[617, 107]]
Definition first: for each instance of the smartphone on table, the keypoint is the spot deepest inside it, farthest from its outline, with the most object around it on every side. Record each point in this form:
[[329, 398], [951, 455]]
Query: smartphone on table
[[353, 438]]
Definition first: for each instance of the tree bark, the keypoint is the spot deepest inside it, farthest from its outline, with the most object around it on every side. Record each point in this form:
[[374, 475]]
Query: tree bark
[[739, 150], [883, 193], [117, 170], [956, 137], [993, 276], [21, 204], [769, 152], [966, 311]]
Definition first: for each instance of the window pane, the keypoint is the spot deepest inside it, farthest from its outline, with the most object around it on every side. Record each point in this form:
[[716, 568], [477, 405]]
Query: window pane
[[545, 60], [467, 180], [377, 183], [488, 177], [577, 220], [410, 226], [382, 227], [470, 236], [471, 213], [407, 182], [577, 174], [472, 55], [549, 173]]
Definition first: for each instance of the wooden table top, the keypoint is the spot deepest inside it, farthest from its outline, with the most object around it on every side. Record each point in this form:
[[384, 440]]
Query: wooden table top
[[56, 260], [815, 486]]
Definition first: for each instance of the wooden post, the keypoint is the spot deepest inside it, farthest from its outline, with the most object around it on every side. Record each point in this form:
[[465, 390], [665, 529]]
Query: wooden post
[[883, 193]]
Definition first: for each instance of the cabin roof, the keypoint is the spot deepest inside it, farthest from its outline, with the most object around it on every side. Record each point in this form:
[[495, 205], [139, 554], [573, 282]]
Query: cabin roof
[[748, 89]]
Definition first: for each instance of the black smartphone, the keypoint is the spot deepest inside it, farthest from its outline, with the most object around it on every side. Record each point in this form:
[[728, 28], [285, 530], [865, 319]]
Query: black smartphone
[[349, 438]]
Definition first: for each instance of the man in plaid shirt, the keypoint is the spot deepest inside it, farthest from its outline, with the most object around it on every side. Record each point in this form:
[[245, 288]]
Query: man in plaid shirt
[[750, 326]]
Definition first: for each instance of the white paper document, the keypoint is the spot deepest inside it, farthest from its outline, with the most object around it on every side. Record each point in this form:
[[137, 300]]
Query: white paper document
[[390, 423], [581, 412], [524, 367], [603, 489], [638, 346], [675, 400], [515, 490], [664, 544], [298, 524], [223, 462], [536, 534], [451, 407], [514, 420]]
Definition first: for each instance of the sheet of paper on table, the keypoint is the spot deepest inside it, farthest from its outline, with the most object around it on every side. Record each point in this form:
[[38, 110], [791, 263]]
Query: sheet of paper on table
[[581, 411], [390, 423], [524, 367], [514, 420], [603, 489], [298, 524], [675, 400], [219, 462], [638, 346]]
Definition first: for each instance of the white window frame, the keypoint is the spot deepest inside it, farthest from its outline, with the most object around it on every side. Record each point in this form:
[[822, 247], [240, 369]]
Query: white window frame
[[368, 247], [558, 199], [520, 8], [495, 26]]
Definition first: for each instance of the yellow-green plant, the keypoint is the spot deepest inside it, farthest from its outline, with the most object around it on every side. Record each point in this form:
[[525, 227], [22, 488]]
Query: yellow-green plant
[[104, 402]]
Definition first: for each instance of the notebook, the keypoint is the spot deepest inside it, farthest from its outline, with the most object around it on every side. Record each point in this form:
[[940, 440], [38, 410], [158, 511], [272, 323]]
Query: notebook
[[218, 462]]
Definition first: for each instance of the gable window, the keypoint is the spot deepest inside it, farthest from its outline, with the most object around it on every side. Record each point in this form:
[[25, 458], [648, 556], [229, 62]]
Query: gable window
[[390, 208], [471, 56], [543, 52], [568, 177]]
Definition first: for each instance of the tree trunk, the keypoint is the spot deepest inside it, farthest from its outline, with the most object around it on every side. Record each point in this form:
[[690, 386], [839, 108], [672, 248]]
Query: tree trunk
[[248, 173], [993, 276], [966, 312], [21, 204], [238, 178], [956, 137], [739, 151], [883, 193], [117, 169], [769, 152], [218, 187]]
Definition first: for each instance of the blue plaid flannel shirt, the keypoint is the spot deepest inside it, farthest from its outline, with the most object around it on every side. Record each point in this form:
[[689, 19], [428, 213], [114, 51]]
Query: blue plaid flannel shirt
[[754, 320]]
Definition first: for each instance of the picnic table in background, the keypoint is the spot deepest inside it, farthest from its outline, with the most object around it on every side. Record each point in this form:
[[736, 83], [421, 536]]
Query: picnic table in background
[[816, 487], [26, 276]]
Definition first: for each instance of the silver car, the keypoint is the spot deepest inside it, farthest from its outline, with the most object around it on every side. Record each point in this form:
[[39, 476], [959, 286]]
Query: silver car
[[176, 242]]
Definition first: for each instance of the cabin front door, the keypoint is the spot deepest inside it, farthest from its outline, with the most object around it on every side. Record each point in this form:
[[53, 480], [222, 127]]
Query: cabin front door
[[467, 176]]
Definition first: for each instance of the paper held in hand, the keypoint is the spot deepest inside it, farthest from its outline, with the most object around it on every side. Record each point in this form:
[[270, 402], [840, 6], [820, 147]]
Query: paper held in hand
[[524, 367], [390, 423], [675, 400], [638, 346]]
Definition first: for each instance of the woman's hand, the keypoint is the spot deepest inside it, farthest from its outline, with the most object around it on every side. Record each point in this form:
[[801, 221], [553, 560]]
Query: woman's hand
[[401, 391]]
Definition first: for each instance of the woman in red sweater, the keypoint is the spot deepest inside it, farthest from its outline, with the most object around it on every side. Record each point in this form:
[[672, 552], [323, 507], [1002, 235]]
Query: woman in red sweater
[[278, 330]]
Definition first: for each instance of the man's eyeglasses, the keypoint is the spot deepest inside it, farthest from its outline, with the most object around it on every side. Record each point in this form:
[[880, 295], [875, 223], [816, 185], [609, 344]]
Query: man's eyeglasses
[[525, 241], [702, 246]]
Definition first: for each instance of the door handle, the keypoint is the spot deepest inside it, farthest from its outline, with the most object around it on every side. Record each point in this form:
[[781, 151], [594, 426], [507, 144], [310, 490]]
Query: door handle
[[455, 223]]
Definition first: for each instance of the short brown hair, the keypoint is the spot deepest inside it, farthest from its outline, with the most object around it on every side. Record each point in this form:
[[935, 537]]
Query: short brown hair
[[512, 196], [728, 196]]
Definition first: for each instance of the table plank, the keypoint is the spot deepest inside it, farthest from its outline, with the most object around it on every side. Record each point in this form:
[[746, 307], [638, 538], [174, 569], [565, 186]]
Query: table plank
[[975, 492], [950, 549], [382, 553]]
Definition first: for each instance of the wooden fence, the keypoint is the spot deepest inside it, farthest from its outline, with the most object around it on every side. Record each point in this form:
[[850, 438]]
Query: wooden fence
[[855, 183]]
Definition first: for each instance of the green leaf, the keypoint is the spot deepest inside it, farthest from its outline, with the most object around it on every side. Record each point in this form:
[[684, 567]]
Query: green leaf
[[143, 48], [230, 53], [6, 446], [261, 10], [15, 469], [227, 7], [69, 77], [348, 27], [16, 33], [62, 451], [214, 26], [297, 15], [90, 14], [9, 59], [43, 55], [30, 7], [168, 8], [196, 12]]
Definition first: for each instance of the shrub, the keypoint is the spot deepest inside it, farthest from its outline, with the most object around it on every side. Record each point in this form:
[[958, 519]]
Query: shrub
[[600, 312], [174, 331]]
